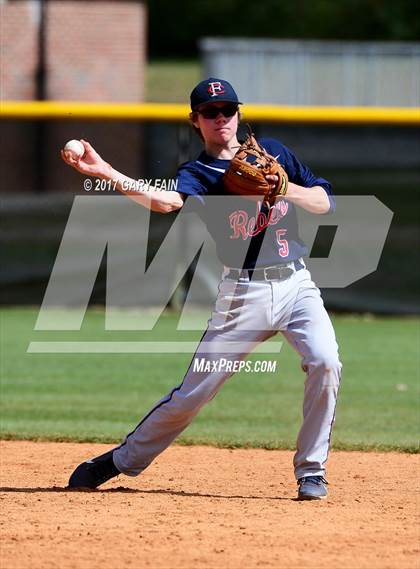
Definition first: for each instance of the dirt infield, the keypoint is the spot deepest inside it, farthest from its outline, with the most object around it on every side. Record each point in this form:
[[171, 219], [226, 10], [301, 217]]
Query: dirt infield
[[199, 507]]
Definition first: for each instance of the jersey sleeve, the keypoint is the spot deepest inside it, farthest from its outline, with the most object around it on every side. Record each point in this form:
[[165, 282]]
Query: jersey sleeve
[[298, 172], [188, 183]]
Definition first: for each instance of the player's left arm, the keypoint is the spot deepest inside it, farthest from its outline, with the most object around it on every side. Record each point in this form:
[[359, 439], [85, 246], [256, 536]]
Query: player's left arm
[[312, 193], [314, 199], [305, 189]]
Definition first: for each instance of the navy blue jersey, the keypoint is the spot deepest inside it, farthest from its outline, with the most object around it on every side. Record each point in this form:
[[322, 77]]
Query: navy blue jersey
[[246, 232]]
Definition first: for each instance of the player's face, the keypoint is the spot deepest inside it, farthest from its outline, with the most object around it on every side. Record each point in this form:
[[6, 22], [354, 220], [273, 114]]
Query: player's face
[[215, 127]]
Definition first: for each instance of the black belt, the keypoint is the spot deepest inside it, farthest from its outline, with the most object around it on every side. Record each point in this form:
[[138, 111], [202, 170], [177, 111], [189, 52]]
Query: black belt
[[277, 273]]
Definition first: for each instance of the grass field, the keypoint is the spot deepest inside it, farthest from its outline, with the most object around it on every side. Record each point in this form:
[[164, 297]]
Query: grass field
[[170, 81], [99, 397]]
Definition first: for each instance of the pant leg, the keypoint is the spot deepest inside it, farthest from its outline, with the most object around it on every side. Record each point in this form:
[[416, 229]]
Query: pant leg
[[310, 332], [235, 329]]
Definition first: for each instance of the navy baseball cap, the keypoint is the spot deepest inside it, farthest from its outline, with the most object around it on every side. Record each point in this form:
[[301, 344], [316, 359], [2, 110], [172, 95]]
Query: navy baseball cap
[[212, 90]]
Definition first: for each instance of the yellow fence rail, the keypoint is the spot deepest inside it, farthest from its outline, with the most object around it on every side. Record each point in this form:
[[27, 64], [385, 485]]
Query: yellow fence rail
[[71, 110]]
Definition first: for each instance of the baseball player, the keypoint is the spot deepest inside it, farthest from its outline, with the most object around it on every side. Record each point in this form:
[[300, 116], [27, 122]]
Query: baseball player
[[265, 289]]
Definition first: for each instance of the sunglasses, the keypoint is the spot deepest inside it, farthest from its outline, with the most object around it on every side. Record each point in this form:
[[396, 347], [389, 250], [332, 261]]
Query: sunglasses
[[213, 112]]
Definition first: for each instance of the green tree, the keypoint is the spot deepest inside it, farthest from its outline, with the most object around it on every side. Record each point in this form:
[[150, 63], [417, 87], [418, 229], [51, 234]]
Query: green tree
[[176, 27]]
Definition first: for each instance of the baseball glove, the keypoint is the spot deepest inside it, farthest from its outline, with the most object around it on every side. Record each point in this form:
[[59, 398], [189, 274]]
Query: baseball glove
[[246, 175]]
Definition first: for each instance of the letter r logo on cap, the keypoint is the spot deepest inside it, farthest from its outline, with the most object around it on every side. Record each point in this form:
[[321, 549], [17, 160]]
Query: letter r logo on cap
[[215, 89]]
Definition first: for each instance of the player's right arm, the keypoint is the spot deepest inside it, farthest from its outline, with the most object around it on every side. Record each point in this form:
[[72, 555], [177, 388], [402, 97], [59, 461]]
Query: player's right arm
[[92, 164]]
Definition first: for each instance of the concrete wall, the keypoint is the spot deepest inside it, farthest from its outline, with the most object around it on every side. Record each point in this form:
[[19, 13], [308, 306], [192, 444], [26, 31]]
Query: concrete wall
[[317, 72]]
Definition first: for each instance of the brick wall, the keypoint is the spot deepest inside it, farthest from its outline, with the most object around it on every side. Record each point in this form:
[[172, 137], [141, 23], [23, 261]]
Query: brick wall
[[18, 49], [95, 50]]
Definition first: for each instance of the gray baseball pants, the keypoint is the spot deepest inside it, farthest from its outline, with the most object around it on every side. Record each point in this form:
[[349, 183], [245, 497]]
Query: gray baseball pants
[[245, 314]]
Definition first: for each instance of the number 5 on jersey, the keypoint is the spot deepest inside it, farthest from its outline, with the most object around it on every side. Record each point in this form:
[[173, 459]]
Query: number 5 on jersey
[[283, 244]]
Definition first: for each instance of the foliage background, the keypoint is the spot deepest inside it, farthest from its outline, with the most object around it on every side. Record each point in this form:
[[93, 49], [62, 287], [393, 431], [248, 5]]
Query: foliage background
[[174, 27]]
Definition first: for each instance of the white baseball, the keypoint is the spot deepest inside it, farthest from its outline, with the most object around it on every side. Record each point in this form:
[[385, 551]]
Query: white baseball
[[74, 149]]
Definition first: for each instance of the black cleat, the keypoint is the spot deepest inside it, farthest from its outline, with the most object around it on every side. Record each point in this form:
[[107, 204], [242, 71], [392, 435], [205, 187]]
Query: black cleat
[[94, 472]]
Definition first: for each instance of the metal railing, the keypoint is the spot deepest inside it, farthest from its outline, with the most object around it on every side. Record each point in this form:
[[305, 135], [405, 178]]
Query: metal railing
[[70, 110]]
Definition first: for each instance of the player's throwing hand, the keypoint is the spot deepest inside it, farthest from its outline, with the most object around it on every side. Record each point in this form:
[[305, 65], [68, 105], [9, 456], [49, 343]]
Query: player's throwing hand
[[90, 164]]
